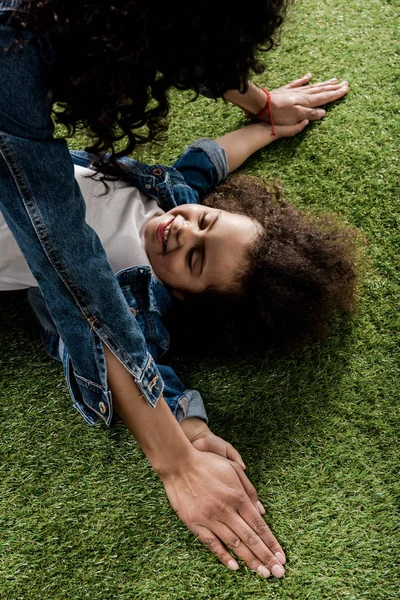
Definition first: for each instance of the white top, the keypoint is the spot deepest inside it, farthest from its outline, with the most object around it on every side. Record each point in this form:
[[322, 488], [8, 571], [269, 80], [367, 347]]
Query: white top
[[118, 217]]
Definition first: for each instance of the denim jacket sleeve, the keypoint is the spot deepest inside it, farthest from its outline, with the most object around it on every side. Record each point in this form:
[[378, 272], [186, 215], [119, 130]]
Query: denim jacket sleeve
[[43, 207], [203, 165], [182, 402]]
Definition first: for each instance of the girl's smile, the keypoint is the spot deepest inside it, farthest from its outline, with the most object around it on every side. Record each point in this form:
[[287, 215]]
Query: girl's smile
[[192, 247]]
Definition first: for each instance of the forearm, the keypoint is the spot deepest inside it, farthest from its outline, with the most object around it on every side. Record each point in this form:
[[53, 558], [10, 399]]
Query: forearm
[[156, 430], [242, 143], [253, 101]]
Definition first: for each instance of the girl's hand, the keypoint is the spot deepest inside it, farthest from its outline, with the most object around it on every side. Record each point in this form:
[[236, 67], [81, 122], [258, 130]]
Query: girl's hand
[[203, 439], [283, 131], [210, 498], [297, 101]]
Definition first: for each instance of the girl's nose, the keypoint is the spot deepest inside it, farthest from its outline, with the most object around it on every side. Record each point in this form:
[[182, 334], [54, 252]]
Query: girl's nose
[[186, 233]]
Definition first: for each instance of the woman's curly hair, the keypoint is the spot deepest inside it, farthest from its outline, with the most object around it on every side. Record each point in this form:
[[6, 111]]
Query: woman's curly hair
[[115, 61], [300, 269]]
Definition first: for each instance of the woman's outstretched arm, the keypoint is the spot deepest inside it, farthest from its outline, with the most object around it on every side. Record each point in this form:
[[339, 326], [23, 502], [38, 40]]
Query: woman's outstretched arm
[[206, 491]]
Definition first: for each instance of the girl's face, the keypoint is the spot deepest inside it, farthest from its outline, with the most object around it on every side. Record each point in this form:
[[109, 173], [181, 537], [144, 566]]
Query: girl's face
[[193, 247]]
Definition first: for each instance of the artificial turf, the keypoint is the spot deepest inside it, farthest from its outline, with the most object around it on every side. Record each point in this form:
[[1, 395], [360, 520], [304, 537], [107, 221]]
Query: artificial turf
[[82, 515]]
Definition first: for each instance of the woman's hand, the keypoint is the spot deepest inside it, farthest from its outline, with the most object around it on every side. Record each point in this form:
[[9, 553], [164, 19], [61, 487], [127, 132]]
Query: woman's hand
[[297, 101], [292, 103], [204, 440], [209, 497]]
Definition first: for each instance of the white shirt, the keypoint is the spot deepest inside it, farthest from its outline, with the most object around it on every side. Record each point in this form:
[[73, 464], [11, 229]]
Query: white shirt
[[118, 217]]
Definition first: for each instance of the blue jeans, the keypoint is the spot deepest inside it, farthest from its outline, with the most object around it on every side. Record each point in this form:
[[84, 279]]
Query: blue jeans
[[42, 205]]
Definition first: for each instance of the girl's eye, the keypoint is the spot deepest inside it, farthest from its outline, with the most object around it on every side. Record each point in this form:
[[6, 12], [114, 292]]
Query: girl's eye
[[202, 219], [190, 258]]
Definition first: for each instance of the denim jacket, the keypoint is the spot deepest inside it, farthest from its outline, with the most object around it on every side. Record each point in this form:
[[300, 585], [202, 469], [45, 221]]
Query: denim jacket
[[202, 165], [42, 205]]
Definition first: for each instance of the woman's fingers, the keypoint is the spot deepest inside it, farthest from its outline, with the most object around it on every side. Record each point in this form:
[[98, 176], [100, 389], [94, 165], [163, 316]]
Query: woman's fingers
[[263, 531], [215, 546], [210, 494], [298, 82], [325, 87], [327, 96], [234, 455], [224, 537], [258, 539]]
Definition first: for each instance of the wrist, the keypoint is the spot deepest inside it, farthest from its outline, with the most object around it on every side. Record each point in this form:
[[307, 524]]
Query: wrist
[[167, 468], [194, 428], [252, 102]]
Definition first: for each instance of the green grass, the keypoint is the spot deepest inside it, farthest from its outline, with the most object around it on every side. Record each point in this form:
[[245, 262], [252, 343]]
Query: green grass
[[82, 515]]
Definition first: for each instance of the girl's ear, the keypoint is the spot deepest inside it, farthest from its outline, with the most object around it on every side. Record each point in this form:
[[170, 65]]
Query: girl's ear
[[179, 295]]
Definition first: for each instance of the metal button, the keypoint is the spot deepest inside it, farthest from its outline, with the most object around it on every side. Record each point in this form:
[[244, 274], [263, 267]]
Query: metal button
[[103, 408], [148, 186], [133, 310], [157, 172]]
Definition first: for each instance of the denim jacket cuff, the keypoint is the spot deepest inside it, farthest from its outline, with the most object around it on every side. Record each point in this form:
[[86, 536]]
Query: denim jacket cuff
[[216, 155], [93, 401]]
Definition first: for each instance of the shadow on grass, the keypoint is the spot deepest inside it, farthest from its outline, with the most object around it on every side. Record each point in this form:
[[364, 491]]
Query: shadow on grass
[[258, 403], [262, 404]]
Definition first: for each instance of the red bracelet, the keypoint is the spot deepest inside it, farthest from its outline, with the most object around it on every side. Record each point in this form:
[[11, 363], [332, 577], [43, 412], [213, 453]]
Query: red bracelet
[[267, 108]]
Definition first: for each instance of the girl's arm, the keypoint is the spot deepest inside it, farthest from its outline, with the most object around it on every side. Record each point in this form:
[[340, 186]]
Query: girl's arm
[[242, 143]]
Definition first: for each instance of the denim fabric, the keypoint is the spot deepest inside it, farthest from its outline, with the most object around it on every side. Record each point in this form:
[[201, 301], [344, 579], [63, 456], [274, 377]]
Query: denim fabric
[[205, 161], [202, 166], [43, 207], [11, 5]]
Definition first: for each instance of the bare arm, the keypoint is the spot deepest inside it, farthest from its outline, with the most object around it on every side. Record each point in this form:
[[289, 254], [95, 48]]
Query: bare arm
[[242, 143], [207, 491]]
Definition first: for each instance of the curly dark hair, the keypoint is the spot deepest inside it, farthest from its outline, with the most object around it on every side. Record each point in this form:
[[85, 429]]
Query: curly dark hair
[[300, 270], [115, 61]]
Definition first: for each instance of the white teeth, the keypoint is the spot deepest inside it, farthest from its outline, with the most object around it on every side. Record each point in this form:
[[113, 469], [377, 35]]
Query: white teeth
[[166, 234]]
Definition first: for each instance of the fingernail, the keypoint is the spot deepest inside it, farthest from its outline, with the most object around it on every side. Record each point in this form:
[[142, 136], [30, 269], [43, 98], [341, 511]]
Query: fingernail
[[334, 79], [280, 557], [344, 83], [261, 509], [232, 564], [263, 571], [278, 571]]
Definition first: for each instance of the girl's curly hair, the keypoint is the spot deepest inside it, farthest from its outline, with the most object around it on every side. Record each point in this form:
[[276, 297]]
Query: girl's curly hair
[[115, 61], [300, 270]]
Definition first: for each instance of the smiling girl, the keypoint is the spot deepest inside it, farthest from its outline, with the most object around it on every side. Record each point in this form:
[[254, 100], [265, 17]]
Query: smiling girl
[[245, 252]]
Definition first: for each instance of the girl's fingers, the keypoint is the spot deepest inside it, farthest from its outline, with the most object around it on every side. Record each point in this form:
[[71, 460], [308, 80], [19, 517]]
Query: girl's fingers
[[300, 126], [234, 455], [298, 82], [312, 114], [247, 485]]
